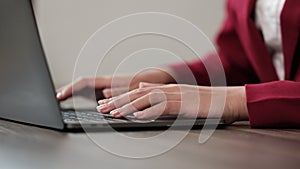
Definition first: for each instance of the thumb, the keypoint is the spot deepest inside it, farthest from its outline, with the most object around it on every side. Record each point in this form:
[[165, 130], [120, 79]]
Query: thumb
[[145, 85]]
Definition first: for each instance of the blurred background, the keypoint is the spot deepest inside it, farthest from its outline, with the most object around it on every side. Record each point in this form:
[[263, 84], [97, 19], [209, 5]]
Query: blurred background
[[65, 26]]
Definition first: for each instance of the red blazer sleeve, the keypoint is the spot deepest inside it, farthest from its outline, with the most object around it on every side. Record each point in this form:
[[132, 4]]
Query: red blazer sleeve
[[270, 104], [236, 66], [274, 104]]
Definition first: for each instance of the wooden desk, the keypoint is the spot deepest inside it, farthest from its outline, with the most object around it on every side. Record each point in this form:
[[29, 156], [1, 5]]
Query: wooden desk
[[235, 147]]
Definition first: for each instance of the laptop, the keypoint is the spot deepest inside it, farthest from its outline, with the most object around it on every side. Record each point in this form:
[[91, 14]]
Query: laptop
[[27, 90]]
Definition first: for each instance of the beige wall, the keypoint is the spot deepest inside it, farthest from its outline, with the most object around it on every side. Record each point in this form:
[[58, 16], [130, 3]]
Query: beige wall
[[65, 25]]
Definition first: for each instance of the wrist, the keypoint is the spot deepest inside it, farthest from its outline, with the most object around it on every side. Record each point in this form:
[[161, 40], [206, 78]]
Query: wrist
[[238, 103]]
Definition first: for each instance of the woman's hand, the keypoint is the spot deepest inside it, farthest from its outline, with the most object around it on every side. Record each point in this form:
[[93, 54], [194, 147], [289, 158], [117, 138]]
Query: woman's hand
[[91, 87], [151, 101], [106, 87]]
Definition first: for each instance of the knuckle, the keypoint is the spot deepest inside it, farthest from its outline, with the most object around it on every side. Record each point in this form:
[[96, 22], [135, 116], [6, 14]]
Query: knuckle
[[153, 94], [128, 108], [157, 96], [117, 103]]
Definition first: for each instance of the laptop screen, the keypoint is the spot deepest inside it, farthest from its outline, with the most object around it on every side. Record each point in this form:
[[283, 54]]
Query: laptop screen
[[27, 93]]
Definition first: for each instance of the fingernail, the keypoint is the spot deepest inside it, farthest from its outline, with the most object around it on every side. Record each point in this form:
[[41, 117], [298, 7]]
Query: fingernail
[[115, 113], [58, 95], [103, 106], [98, 109], [103, 101]]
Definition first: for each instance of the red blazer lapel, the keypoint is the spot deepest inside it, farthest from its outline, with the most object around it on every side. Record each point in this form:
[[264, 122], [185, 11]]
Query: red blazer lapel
[[290, 26], [253, 41]]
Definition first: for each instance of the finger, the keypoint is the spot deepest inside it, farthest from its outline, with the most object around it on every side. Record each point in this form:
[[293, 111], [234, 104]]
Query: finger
[[104, 104], [59, 95], [168, 92], [164, 108], [112, 92], [80, 84], [131, 96], [105, 101], [145, 85], [139, 104], [121, 100], [59, 91], [68, 90]]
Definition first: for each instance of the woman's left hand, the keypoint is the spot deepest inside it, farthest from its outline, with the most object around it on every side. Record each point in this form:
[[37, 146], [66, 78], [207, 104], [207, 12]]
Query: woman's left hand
[[153, 100]]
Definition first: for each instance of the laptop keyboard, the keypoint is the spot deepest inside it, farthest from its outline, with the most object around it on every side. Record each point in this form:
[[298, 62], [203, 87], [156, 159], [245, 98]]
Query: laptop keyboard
[[89, 117]]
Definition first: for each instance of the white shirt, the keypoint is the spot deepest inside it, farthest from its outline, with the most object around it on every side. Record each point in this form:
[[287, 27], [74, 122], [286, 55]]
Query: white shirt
[[267, 18]]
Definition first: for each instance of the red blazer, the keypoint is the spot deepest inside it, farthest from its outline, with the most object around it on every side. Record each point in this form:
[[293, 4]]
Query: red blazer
[[246, 61]]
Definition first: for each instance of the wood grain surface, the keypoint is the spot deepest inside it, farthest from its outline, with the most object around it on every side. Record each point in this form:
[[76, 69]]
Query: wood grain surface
[[233, 147]]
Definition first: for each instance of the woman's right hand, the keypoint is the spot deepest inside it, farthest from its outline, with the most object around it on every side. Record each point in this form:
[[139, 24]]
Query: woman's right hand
[[107, 87]]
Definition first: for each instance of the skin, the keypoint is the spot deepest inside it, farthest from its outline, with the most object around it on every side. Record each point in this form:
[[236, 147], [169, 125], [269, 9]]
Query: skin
[[112, 86], [149, 95]]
